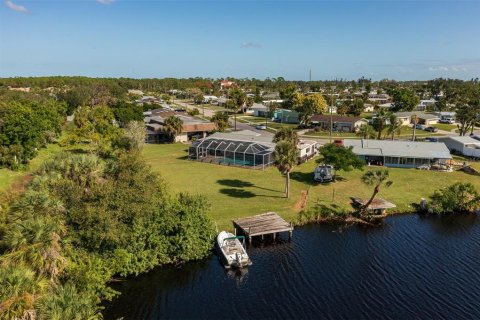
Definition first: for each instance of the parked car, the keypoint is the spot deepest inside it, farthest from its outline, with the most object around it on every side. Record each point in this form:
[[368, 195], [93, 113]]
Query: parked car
[[447, 120], [431, 139], [431, 129], [261, 127], [420, 127]]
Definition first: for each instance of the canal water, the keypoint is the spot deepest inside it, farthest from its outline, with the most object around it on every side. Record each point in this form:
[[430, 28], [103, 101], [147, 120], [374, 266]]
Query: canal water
[[411, 268]]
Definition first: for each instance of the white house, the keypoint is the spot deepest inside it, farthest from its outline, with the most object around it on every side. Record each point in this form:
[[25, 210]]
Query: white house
[[465, 145], [209, 99]]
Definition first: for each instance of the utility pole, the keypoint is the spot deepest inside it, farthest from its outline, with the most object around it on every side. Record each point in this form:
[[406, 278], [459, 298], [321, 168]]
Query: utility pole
[[331, 116]]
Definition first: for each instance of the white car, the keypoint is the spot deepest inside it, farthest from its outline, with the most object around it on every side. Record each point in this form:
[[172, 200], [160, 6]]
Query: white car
[[261, 127]]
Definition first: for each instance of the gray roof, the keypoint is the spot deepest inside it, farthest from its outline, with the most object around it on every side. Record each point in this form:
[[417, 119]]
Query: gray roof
[[462, 139], [420, 115], [245, 136], [397, 148]]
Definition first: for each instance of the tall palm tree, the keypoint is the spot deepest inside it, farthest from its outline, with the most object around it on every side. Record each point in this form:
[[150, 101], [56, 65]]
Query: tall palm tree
[[376, 178], [285, 158], [414, 119], [173, 126], [380, 122], [230, 105], [286, 134], [395, 126]]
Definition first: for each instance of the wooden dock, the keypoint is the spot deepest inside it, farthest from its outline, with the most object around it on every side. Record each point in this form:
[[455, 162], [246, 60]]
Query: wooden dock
[[263, 224]]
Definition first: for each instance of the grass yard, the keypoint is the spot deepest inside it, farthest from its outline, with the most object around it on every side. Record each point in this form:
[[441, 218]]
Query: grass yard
[[236, 192], [9, 177], [445, 126]]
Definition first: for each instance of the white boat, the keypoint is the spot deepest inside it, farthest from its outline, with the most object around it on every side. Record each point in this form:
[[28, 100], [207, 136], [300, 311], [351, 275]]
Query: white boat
[[232, 251]]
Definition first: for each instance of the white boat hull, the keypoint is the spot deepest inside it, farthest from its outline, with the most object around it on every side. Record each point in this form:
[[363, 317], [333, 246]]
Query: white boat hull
[[232, 251]]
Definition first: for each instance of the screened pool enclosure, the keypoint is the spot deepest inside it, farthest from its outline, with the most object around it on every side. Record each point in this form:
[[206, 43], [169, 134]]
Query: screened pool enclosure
[[232, 152]]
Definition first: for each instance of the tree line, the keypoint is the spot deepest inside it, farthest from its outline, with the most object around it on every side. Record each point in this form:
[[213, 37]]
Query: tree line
[[89, 216]]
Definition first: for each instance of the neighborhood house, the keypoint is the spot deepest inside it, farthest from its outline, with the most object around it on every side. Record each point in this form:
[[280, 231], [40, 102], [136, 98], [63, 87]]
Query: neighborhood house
[[339, 123], [465, 145], [192, 127], [401, 154], [422, 118]]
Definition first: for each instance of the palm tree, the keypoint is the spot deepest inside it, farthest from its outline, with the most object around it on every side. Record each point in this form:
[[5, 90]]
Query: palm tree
[[36, 242], [230, 105], [285, 158], [380, 122], [375, 178], [173, 126], [238, 98], [286, 134], [395, 126], [414, 119], [67, 302], [366, 131], [19, 289]]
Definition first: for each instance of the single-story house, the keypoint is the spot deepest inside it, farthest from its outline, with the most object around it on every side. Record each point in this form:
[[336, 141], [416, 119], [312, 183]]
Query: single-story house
[[192, 127], [286, 116], [401, 154], [243, 148], [424, 104], [148, 99], [209, 99], [368, 107], [339, 123], [422, 118], [260, 110], [465, 145]]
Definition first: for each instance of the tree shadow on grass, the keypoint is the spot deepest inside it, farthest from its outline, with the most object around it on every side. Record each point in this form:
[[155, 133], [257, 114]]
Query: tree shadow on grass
[[307, 178], [240, 193], [236, 183]]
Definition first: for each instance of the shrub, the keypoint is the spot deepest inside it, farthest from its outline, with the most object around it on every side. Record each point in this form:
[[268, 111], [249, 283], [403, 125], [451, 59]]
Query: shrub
[[457, 198]]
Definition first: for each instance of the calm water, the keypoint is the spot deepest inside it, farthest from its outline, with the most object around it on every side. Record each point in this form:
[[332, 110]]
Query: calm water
[[413, 267]]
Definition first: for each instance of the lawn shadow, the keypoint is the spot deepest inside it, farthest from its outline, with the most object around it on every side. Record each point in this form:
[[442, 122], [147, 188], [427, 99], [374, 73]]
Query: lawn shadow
[[236, 183], [240, 193], [304, 177]]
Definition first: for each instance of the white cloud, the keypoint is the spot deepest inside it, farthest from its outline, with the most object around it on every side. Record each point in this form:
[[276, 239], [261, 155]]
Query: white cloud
[[106, 1], [454, 68], [15, 7], [251, 45]]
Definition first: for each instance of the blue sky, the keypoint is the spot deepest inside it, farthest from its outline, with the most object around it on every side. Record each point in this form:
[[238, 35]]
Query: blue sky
[[400, 40]]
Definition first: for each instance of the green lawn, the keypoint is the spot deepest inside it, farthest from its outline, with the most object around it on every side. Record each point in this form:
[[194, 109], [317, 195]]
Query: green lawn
[[445, 126], [9, 177], [236, 192]]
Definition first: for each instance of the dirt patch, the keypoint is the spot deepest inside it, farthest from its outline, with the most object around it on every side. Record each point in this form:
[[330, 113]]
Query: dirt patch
[[302, 202]]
